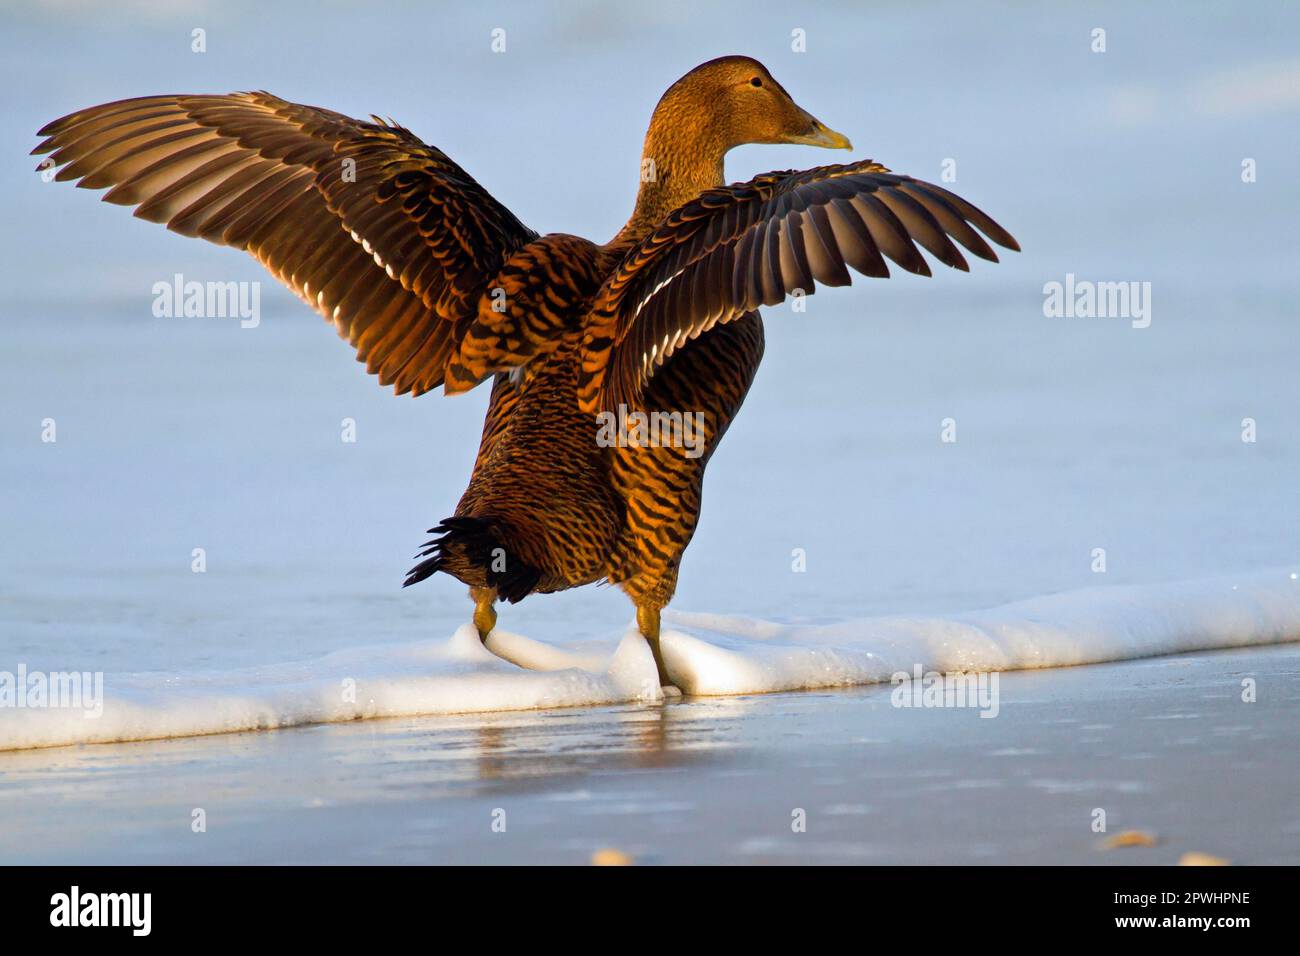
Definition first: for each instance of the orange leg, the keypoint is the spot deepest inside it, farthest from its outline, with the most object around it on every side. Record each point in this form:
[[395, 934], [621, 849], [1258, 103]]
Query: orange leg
[[485, 615], [647, 622]]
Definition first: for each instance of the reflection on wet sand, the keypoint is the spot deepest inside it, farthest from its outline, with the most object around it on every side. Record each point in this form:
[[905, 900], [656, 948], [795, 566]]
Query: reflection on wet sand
[[556, 743], [437, 754]]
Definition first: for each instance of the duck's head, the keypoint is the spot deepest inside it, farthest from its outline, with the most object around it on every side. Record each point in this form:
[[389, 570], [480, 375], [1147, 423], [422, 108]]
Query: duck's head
[[719, 105], [734, 100]]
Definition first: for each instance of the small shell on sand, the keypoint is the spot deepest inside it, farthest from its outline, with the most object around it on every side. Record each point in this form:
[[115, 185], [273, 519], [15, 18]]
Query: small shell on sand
[[610, 857], [1130, 838], [1201, 859]]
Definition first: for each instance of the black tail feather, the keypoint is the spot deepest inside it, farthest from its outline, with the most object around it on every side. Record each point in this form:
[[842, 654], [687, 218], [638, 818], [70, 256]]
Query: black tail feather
[[464, 543]]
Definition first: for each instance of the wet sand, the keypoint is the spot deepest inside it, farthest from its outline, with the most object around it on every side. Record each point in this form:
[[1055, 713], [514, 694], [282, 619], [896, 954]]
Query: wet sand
[[1165, 745]]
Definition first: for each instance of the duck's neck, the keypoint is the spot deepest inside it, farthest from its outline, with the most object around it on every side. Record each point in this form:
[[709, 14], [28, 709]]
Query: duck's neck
[[681, 158]]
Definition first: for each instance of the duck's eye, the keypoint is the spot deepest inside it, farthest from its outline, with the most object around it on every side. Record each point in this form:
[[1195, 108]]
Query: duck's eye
[[756, 82]]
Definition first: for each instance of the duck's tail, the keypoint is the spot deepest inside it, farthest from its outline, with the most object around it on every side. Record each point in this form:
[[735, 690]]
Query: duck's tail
[[471, 550]]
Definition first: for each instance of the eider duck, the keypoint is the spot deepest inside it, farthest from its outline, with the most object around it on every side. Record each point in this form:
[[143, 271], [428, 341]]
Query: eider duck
[[435, 283]]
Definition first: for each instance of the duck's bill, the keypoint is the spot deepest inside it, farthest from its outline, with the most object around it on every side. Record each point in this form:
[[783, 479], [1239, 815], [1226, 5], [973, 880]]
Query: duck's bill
[[820, 134]]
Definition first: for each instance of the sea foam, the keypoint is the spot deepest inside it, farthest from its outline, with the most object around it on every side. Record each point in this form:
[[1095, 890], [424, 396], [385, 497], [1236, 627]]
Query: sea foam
[[706, 654]]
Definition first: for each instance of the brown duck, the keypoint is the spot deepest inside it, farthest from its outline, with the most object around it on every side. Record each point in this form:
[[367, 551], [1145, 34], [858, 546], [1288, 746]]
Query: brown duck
[[616, 368]]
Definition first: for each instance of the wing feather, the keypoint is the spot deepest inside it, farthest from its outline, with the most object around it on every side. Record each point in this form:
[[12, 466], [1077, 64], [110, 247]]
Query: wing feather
[[382, 234], [736, 248]]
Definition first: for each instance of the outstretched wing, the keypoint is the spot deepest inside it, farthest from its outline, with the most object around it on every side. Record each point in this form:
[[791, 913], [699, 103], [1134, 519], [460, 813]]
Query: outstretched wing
[[739, 247], [383, 235]]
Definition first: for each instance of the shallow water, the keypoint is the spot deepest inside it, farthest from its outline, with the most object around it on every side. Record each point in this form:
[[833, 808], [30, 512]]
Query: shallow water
[[1166, 746]]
